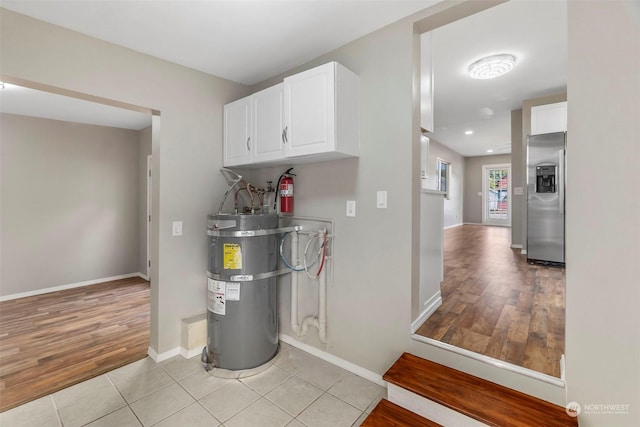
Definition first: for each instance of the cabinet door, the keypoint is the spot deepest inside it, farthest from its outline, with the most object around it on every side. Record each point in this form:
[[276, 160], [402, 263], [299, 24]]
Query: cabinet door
[[268, 124], [237, 132], [309, 111], [549, 118]]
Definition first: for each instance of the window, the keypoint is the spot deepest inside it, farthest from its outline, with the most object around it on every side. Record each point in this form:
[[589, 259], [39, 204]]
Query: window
[[443, 170]]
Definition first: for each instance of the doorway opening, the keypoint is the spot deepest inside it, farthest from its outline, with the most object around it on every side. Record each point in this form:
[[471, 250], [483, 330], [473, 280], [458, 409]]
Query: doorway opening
[[496, 195], [85, 161]]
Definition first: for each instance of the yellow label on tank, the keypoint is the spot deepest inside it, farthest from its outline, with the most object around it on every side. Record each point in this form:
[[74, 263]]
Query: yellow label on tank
[[232, 256]]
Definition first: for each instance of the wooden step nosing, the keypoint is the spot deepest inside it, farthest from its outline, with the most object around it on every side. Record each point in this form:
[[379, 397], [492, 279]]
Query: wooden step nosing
[[389, 413], [478, 397]]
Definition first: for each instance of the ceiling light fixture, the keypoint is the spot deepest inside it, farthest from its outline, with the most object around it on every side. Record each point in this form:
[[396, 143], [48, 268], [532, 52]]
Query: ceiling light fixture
[[468, 132], [492, 66], [489, 150]]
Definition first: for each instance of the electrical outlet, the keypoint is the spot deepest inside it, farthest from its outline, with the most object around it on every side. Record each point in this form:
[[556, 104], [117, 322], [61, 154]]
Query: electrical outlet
[[351, 208], [177, 228], [381, 200]]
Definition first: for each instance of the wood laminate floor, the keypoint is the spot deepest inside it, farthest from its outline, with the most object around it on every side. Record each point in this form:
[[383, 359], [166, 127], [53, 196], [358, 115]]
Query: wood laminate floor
[[496, 304], [51, 341]]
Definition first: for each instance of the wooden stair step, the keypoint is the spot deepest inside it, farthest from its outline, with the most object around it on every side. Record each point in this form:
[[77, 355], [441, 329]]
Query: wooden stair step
[[387, 414], [482, 400]]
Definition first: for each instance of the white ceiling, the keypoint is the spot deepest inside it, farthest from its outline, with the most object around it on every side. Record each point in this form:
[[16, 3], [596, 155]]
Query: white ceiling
[[250, 41], [241, 40], [535, 33]]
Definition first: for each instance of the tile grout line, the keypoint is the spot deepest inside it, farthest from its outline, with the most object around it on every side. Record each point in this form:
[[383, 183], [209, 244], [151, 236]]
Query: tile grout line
[[55, 408], [123, 398]]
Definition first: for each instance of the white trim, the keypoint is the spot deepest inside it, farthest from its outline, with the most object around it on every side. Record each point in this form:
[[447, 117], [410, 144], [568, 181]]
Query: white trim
[[432, 305], [429, 409], [144, 276], [69, 286], [491, 361], [454, 226], [351, 367], [147, 218], [188, 354], [523, 251], [516, 246], [472, 223], [163, 356]]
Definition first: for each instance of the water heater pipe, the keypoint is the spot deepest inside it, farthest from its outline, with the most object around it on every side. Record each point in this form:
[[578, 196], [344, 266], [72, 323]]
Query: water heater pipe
[[319, 322], [322, 302], [294, 283]]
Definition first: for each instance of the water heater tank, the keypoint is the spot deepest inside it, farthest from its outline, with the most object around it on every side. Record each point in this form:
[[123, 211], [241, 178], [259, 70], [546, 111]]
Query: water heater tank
[[241, 306]]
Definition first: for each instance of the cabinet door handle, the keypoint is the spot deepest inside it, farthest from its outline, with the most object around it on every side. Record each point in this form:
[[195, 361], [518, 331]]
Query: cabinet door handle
[[284, 135], [248, 145]]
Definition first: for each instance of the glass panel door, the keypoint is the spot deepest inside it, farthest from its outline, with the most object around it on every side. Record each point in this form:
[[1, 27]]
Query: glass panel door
[[496, 195]]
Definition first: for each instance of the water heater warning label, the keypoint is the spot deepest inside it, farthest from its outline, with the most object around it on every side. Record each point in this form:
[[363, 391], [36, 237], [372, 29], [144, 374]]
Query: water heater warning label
[[216, 296], [232, 256]]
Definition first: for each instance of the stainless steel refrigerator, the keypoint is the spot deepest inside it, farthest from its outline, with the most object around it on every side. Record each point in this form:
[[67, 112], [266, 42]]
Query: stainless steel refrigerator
[[546, 197]]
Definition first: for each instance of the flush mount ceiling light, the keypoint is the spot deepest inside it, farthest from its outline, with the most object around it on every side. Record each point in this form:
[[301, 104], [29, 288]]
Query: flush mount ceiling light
[[492, 66], [468, 132]]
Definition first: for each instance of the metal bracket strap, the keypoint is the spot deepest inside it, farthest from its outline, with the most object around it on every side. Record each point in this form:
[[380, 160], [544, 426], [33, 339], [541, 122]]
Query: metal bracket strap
[[253, 233], [248, 277]]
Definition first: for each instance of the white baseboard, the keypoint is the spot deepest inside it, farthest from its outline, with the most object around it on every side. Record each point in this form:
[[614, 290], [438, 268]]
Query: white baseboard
[[344, 364], [69, 286], [523, 251], [558, 382], [516, 246], [454, 226], [163, 356], [188, 354], [144, 276], [430, 307]]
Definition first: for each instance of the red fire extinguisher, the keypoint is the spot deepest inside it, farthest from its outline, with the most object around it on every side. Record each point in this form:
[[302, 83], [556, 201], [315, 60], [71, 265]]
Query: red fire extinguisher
[[286, 192]]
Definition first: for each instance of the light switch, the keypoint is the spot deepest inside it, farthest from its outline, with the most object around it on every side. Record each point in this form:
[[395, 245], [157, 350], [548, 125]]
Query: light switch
[[381, 202], [351, 208], [177, 228]]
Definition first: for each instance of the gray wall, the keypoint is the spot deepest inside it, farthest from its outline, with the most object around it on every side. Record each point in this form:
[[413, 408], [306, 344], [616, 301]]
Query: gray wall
[[603, 232], [69, 203], [473, 184], [187, 150], [453, 204], [371, 306], [368, 307], [144, 150]]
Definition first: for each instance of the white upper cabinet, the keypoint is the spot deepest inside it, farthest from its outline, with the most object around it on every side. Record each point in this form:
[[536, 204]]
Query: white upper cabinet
[[237, 132], [321, 112], [549, 118], [268, 123], [253, 128], [312, 116]]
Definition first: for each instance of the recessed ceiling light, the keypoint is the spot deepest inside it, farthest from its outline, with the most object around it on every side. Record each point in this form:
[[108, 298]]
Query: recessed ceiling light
[[492, 66], [468, 132], [489, 150]]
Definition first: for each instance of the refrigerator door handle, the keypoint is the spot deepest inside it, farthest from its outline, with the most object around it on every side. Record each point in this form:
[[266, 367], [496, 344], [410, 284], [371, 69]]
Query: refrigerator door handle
[[560, 181]]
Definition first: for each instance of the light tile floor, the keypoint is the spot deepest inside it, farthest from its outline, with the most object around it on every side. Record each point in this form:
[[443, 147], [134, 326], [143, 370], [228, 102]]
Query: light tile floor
[[297, 390]]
